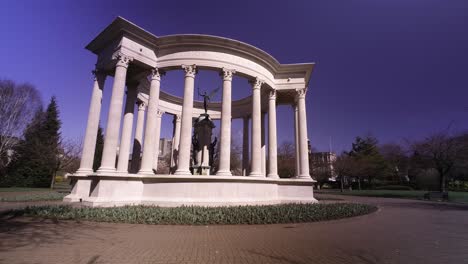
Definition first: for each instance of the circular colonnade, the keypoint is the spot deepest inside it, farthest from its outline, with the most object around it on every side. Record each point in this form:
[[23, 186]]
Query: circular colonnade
[[137, 60]]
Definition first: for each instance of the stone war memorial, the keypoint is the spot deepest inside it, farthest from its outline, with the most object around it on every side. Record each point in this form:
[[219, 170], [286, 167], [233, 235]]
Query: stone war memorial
[[137, 60]]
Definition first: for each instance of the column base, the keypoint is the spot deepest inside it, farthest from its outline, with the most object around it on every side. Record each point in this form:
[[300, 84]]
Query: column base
[[145, 172], [224, 173], [182, 172], [256, 174], [274, 176], [83, 172], [304, 177], [105, 170]]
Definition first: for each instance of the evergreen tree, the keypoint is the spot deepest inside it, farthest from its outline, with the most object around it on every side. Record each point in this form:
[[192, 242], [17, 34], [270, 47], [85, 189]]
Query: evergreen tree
[[99, 148], [369, 162], [52, 138], [36, 158], [28, 163]]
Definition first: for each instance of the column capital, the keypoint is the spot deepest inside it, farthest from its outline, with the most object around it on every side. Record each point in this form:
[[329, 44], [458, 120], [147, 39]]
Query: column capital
[[190, 70], [159, 113], [227, 74], [256, 83], [301, 93], [141, 105], [156, 74], [122, 60], [272, 94]]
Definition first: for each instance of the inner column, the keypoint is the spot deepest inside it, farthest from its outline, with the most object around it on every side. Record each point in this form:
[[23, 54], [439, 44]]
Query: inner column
[[256, 167]]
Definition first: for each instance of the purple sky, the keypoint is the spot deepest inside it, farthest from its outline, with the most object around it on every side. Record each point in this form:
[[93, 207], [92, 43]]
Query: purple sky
[[394, 68]]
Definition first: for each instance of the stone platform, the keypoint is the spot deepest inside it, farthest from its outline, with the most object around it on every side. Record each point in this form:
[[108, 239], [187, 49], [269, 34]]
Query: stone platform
[[117, 189]]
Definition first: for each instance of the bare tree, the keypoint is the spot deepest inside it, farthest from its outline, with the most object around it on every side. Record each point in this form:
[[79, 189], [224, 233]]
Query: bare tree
[[286, 160], [68, 158], [396, 158], [18, 103], [236, 157], [343, 166], [440, 151]]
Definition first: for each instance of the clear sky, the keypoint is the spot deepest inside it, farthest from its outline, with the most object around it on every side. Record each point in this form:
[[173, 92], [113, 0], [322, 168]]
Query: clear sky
[[394, 68]]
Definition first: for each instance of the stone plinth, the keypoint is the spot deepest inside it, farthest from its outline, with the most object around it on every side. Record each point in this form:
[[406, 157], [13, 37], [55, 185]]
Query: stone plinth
[[175, 190]]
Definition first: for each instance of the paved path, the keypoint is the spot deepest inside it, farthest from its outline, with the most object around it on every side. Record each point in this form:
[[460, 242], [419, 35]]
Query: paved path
[[402, 231]]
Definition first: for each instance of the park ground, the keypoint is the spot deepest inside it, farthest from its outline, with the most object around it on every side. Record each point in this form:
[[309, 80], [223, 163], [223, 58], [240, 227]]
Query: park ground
[[401, 231]]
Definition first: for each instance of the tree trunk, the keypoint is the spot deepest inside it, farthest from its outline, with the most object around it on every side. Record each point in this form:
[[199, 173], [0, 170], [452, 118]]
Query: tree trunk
[[442, 182], [342, 183], [52, 183], [359, 183]]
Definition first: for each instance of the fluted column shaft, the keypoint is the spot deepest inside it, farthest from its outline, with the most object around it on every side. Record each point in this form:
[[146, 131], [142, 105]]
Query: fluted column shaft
[[245, 147], [303, 146], [151, 115], [111, 138], [256, 165], [138, 141], [89, 143], [225, 142], [296, 140], [272, 141], [186, 125], [175, 141], [127, 127], [157, 136]]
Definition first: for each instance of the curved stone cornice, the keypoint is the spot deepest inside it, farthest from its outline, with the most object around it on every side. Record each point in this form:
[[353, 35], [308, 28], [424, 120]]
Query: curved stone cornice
[[150, 48]]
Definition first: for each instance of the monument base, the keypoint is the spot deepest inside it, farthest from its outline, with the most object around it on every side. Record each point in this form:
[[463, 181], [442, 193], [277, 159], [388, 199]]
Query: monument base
[[97, 190]]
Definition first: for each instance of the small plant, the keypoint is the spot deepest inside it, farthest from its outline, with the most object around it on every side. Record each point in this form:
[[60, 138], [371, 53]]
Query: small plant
[[198, 215]]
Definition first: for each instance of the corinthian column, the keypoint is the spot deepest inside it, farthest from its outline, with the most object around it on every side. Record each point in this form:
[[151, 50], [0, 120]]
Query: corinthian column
[[303, 147], [157, 136], [272, 143], [256, 167], [186, 125], [225, 144], [115, 115], [175, 142], [149, 141], [245, 147], [138, 141], [296, 140], [89, 143], [126, 138]]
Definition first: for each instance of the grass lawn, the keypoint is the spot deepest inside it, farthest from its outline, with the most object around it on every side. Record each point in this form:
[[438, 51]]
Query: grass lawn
[[20, 194], [23, 189], [460, 197]]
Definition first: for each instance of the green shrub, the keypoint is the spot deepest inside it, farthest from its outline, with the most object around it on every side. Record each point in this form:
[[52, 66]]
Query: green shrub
[[197, 215], [394, 188]]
